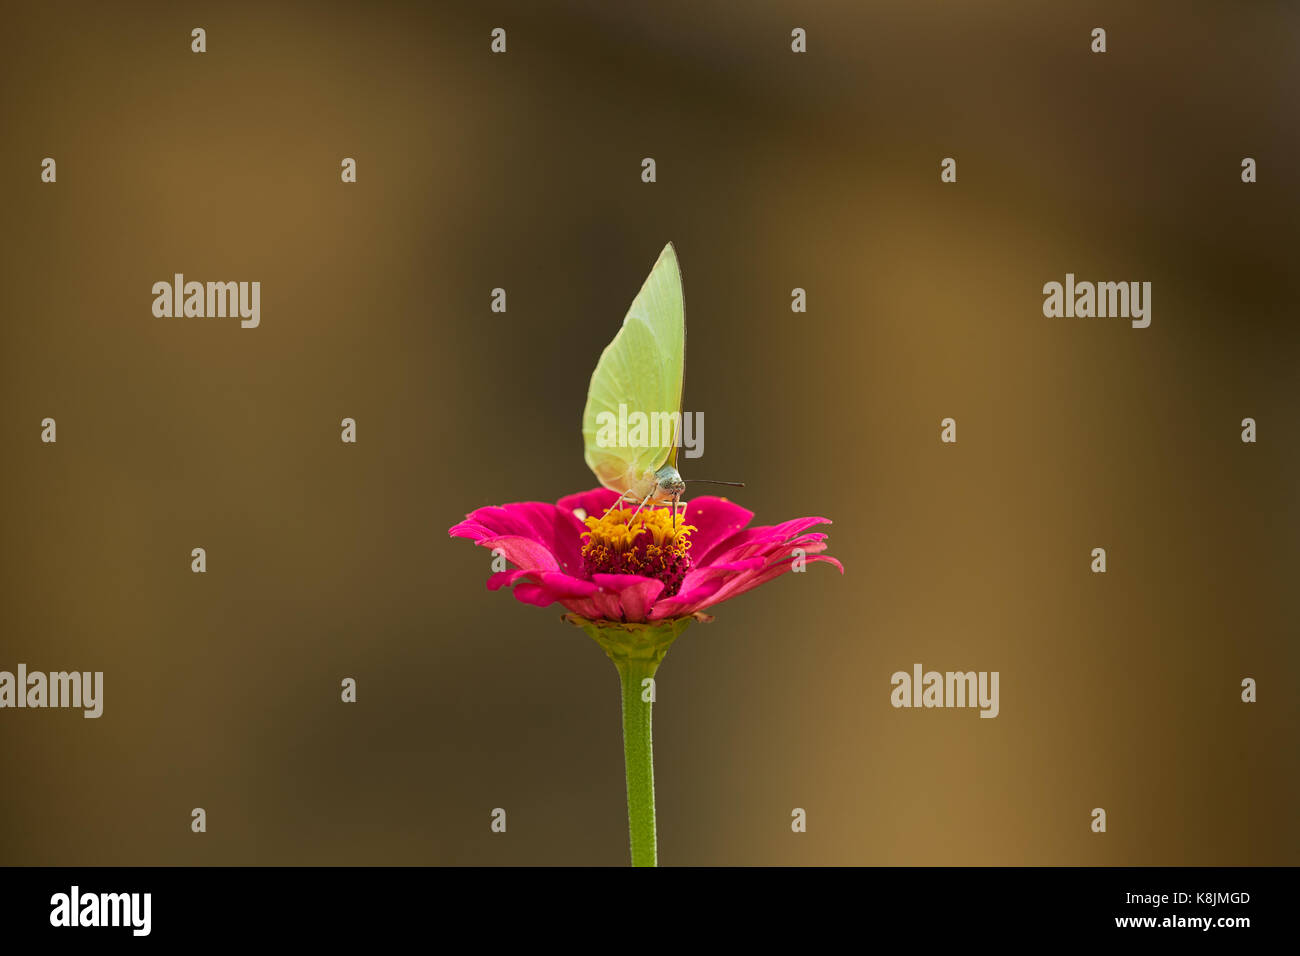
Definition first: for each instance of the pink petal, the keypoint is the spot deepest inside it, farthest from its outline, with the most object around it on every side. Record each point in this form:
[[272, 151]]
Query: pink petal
[[554, 528], [747, 582], [636, 594], [687, 602], [523, 553], [501, 579], [753, 540], [697, 576], [702, 583], [810, 544], [715, 520], [546, 587], [565, 585], [601, 606], [549, 587]]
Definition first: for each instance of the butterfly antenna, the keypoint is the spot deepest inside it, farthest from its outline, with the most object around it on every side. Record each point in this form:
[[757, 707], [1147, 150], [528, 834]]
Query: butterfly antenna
[[711, 481]]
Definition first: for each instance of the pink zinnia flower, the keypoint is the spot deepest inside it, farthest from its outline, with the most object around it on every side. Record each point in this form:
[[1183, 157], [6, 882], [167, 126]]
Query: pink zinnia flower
[[608, 566]]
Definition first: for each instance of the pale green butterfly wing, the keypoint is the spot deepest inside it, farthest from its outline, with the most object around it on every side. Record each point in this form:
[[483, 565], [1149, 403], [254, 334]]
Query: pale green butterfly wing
[[642, 369]]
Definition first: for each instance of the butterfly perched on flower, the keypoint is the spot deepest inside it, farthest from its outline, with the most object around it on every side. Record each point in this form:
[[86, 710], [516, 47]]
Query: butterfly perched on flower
[[611, 554]]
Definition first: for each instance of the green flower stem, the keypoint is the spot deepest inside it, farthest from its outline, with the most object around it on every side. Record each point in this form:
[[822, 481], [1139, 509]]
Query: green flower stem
[[637, 650], [638, 756]]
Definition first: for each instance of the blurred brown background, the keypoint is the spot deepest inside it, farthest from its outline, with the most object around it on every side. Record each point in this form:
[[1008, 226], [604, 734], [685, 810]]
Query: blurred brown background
[[328, 560]]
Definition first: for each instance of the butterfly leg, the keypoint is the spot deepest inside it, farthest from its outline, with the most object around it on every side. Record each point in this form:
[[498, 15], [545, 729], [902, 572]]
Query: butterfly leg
[[618, 501], [640, 506], [678, 503]]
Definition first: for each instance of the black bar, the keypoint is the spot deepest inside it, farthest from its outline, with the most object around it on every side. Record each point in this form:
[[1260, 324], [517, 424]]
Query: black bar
[[241, 904]]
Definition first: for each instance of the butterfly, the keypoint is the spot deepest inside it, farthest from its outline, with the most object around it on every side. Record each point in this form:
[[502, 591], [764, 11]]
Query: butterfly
[[640, 378]]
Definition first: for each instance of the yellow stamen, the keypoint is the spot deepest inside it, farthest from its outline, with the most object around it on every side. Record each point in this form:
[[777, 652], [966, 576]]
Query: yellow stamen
[[648, 544]]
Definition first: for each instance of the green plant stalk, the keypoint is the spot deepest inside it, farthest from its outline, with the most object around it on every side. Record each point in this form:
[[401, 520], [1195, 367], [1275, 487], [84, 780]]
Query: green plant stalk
[[637, 650], [638, 758]]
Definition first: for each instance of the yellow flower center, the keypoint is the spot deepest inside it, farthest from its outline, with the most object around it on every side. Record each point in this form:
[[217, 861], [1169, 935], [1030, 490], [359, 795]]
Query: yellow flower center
[[648, 544]]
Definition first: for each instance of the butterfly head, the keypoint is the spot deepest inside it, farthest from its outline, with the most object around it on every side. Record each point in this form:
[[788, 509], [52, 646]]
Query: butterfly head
[[669, 487], [668, 483]]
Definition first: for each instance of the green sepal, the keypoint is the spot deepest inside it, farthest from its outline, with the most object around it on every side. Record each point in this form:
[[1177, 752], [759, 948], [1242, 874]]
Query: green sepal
[[639, 642]]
